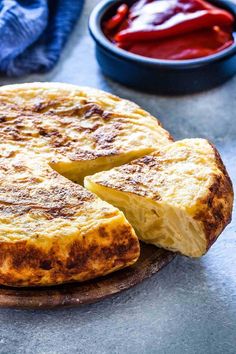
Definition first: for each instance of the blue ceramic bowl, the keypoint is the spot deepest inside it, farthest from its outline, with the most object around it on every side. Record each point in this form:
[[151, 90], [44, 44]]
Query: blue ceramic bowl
[[160, 76]]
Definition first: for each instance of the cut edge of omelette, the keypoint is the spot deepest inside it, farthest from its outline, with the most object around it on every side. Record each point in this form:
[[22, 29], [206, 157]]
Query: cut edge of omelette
[[179, 198], [76, 171]]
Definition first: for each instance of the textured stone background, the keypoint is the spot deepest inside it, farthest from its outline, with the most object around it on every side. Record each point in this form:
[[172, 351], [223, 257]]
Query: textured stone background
[[190, 306]]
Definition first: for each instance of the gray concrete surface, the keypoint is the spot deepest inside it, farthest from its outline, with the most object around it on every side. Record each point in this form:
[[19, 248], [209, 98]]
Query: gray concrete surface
[[190, 306]]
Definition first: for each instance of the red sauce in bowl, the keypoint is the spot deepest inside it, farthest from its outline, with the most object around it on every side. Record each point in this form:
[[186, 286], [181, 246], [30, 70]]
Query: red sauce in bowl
[[171, 29]]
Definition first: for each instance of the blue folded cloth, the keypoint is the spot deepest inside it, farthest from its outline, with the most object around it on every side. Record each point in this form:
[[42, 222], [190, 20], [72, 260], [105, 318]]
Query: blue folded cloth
[[33, 33]]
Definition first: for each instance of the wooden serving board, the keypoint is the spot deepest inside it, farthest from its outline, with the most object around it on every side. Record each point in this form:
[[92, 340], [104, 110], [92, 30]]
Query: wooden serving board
[[152, 259]]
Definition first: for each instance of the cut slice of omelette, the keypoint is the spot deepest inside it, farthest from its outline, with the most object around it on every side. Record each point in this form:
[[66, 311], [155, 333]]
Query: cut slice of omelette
[[52, 230], [179, 198]]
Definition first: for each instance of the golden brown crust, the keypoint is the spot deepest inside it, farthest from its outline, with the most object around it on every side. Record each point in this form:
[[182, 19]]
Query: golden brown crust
[[27, 263], [216, 210]]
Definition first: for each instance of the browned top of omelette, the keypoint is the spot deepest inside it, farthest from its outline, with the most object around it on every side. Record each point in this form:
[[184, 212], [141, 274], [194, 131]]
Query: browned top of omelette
[[71, 123]]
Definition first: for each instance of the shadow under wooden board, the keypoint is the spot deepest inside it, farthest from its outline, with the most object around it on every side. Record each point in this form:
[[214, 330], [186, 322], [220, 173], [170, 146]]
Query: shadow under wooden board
[[152, 259]]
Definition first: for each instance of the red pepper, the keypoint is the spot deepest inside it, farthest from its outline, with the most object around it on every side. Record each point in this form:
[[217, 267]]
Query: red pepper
[[117, 19], [188, 46], [179, 17], [147, 23], [192, 22]]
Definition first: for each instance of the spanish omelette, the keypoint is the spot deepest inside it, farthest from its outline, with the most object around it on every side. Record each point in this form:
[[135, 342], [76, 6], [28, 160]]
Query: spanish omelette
[[53, 230]]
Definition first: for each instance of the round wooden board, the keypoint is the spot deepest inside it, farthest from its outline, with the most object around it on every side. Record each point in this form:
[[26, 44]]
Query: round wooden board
[[152, 259]]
